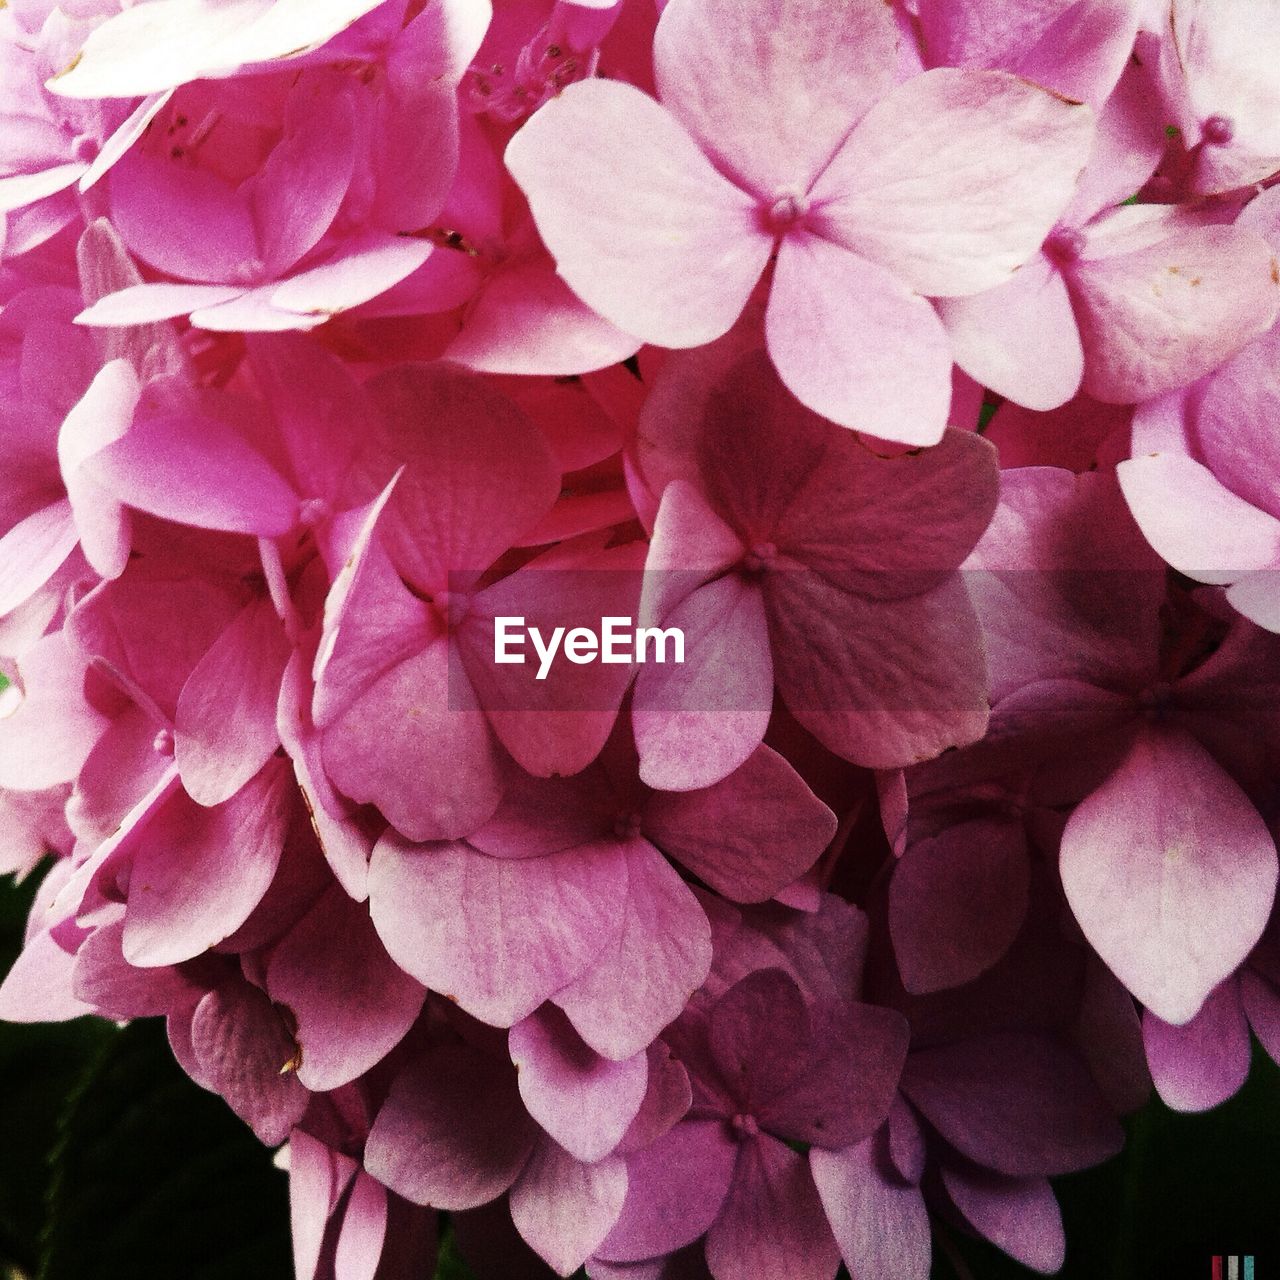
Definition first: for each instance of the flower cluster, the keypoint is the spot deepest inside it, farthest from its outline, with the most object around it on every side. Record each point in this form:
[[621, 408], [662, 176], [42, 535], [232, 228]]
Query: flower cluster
[[917, 362]]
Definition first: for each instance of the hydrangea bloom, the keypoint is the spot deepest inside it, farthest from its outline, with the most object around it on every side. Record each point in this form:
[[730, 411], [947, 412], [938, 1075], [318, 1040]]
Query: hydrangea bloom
[[336, 337]]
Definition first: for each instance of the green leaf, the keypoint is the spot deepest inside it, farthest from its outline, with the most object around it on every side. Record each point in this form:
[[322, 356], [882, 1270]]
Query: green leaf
[[153, 1177], [40, 1066]]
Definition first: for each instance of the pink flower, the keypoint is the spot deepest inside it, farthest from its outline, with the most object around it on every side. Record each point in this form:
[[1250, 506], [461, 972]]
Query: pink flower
[[664, 217]]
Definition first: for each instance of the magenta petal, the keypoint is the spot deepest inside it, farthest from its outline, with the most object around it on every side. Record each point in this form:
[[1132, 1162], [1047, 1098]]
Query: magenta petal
[[585, 1102], [641, 225], [352, 1004], [117, 989], [499, 935], [1019, 1216], [895, 698], [748, 835], [1016, 1102], [770, 90], [640, 981], [452, 1133], [564, 1208], [955, 178], [1202, 1063], [225, 728], [216, 242], [479, 474], [883, 367], [176, 466], [416, 746], [772, 1222], [296, 194], [956, 903], [882, 1227], [242, 1049], [198, 873], [525, 320], [1158, 861], [675, 1190]]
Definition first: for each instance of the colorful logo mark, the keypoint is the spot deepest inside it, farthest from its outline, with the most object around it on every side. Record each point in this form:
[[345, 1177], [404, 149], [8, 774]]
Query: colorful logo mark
[[1233, 1267]]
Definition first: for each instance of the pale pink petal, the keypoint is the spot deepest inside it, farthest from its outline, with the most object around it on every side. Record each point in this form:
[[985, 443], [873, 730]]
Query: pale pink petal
[[1018, 1215], [1170, 872], [358, 270], [1162, 316], [39, 987], [696, 723], [526, 320], [364, 1229], [148, 303], [1194, 522], [882, 367], [160, 45], [1204, 1062], [882, 1226], [955, 178], [642, 227], [585, 1102], [312, 1192], [225, 727], [770, 91], [352, 1003], [33, 550], [100, 418], [499, 935], [198, 873], [640, 982], [48, 737], [1020, 338], [564, 1208]]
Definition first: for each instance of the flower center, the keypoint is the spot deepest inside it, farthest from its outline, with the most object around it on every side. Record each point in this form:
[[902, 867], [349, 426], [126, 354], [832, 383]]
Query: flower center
[[1156, 699], [745, 1126], [162, 743], [626, 826], [452, 606], [1219, 130], [760, 557], [786, 211], [1064, 245]]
